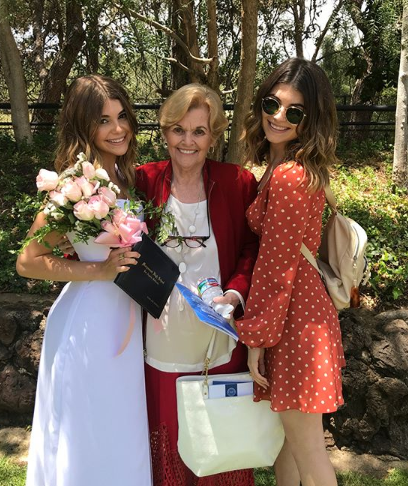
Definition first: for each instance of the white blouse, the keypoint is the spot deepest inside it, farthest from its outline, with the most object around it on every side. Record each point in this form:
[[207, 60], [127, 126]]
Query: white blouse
[[178, 341]]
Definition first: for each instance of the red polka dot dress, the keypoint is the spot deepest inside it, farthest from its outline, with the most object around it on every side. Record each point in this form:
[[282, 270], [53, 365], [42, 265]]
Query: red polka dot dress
[[288, 310]]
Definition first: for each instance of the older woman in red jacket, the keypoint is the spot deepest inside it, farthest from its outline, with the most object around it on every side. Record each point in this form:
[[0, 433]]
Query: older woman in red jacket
[[208, 200]]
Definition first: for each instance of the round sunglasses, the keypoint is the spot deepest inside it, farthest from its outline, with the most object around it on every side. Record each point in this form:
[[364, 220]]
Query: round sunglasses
[[293, 114]]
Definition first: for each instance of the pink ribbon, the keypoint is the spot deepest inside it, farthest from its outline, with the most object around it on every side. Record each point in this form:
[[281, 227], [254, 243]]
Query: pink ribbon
[[130, 329]]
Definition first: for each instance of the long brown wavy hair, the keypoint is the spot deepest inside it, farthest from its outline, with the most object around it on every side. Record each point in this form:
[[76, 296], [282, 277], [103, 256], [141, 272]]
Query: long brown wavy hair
[[80, 118], [315, 145]]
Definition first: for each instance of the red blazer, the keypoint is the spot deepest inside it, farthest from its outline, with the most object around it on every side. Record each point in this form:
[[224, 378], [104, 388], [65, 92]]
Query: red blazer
[[230, 190]]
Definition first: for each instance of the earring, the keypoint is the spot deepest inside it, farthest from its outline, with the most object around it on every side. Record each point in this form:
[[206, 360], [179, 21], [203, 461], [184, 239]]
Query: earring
[[211, 151]]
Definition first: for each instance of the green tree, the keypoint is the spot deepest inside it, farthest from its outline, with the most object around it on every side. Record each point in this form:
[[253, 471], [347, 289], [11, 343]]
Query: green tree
[[375, 64], [14, 77]]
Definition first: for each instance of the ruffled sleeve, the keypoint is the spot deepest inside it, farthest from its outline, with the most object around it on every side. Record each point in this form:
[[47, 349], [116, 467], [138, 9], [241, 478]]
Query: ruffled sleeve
[[284, 222]]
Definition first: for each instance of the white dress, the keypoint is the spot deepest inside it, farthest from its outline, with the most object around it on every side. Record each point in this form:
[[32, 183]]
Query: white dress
[[90, 421]]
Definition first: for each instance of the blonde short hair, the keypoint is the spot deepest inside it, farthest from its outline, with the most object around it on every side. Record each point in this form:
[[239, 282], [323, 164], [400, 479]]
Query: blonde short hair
[[189, 97]]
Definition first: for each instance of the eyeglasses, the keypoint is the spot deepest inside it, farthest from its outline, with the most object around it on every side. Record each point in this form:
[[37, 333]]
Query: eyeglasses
[[293, 114], [190, 241]]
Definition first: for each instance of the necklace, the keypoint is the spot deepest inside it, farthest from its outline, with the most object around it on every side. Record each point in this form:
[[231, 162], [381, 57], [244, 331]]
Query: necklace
[[192, 228]]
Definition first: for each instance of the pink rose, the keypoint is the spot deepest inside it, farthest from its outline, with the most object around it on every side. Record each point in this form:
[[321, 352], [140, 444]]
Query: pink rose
[[83, 212], [46, 180], [58, 198], [98, 206], [108, 196], [72, 191], [86, 187], [88, 169]]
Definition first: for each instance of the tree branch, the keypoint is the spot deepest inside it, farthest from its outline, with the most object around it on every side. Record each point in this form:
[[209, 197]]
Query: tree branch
[[322, 35], [131, 13], [179, 64]]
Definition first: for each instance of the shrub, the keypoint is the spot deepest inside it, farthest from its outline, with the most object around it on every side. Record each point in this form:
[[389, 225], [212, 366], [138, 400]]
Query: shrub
[[366, 194]]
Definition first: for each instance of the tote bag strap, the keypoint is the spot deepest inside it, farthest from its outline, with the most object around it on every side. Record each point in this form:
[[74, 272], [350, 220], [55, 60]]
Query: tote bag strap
[[208, 354], [331, 200], [309, 257], [207, 362]]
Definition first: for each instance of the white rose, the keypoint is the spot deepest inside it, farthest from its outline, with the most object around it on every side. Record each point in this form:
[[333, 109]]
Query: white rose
[[102, 174]]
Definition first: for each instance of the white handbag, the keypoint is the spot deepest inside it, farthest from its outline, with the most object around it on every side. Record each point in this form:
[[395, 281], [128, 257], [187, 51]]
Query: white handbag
[[224, 434]]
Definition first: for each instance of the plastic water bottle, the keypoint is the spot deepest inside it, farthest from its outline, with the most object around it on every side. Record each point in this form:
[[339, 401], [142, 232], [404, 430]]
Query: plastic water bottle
[[208, 288]]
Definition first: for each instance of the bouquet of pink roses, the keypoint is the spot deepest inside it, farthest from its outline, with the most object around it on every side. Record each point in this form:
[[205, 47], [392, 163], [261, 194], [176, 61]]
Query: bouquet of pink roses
[[83, 200]]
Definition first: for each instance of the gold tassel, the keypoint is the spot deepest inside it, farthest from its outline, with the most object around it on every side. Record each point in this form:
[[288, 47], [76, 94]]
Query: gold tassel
[[354, 297]]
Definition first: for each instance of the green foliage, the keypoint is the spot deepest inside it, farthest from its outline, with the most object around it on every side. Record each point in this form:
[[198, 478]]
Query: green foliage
[[151, 147], [15, 223], [264, 477], [396, 477], [379, 23], [336, 57], [18, 204], [365, 193], [11, 474]]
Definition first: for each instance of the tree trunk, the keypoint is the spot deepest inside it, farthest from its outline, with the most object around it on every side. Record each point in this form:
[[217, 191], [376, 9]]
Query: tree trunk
[[54, 83], [359, 132], [93, 38], [212, 40], [246, 79], [400, 165], [187, 30], [14, 76], [179, 77], [299, 12], [39, 34]]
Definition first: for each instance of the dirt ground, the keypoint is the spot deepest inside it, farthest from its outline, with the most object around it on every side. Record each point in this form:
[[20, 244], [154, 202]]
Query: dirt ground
[[14, 443]]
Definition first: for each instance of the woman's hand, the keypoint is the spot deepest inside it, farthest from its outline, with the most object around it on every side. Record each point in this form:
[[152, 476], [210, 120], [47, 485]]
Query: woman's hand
[[118, 262], [256, 365], [229, 298]]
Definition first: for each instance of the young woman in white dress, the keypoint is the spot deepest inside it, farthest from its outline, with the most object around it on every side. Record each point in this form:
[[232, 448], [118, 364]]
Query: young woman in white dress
[[90, 420]]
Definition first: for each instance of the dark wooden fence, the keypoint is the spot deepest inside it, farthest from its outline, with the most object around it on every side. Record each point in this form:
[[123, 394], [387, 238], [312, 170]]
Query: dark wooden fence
[[381, 119]]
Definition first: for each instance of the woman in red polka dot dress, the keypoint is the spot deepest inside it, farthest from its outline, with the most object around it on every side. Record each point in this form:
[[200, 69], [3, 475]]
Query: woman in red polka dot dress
[[290, 323]]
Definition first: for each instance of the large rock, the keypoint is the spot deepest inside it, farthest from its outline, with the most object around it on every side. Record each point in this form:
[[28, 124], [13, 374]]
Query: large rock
[[17, 391], [28, 351], [22, 322], [374, 418], [8, 325]]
